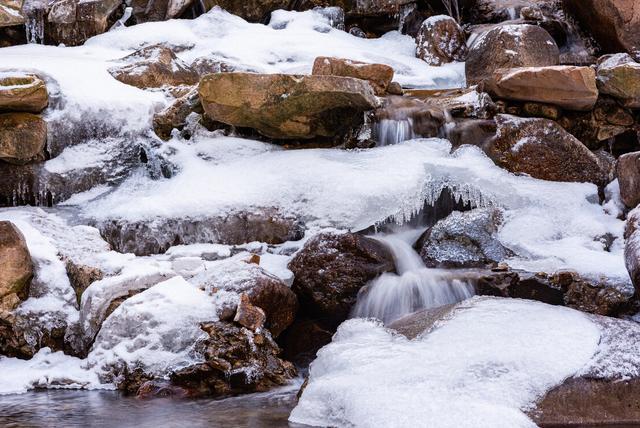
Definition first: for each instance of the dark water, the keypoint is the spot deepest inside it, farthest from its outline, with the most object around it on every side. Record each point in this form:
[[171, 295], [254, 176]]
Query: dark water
[[63, 408]]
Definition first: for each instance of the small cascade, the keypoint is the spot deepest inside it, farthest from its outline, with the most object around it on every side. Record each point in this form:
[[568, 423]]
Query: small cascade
[[414, 287], [393, 131], [35, 12]]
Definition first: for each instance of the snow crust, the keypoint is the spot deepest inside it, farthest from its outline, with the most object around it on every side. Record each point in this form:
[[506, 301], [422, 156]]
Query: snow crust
[[481, 368]]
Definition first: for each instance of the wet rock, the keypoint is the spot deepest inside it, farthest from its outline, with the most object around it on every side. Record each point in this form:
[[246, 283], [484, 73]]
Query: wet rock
[[541, 110], [248, 315], [286, 106], [569, 87], [423, 321], [303, 339], [619, 76], [154, 67], [158, 10], [157, 235], [330, 270], [421, 119], [477, 132], [463, 239], [175, 116], [615, 24], [509, 46], [22, 92], [395, 89], [250, 10], [632, 246], [22, 138], [494, 11], [11, 13], [440, 41], [628, 173], [72, 22], [542, 149], [378, 75], [236, 361], [16, 268]]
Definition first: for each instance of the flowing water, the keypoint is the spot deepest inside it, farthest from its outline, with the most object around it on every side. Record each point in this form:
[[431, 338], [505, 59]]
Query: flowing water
[[392, 296]]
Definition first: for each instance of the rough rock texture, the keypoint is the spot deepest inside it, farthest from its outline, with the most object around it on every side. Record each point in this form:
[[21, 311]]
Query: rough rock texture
[[157, 235], [22, 92], [379, 75], [16, 268], [572, 88], [330, 270], [286, 106], [632, 247], [303, 339], [159, 10], [441, 40], [154, 67], [22, 138], [615, 24], [72, 22], [81, 276], [209, 65], [237, 361], [463, 239], [251, 10], [619, 76], [11, 13], [248, 315], [175, 116], [509, 46], [628, 173], [542, 149]]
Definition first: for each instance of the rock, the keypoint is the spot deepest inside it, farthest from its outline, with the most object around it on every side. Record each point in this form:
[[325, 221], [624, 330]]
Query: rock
[[628, 173], [22, 138], [542, 149], [569, 87], [440, 41], [72, 22], [546, 111], [250, 10], [477, 132], [615, 24], [509, 46], [463, 239], [81, 276], [158, 10], [303, 339], [619, 76], [11, 13], [395, 89], [154, 237], [175, 116], [494, 11], [22, 92], [330, 270], [16, 268], [283, 106], [421, 118], [378, 75], [422, 321], [155, 66], [236, 361], [248, 315], [632, 247], [207, 65]]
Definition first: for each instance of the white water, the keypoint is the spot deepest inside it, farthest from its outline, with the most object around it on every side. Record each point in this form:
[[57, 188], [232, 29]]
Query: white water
[[414, 287], [391, 131], [35, 11]]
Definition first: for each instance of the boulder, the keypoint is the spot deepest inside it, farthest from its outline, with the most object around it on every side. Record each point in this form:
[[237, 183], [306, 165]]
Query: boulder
[[11, 13], [248, 315], [330, 270], [72, 22], [250, 10], [619, 76], [615, 24], [542, 149], [569, 87], [632, 247], [208, 65], [378, 75], [22, 138], [281, 106], [463, 239], [159, 10], [628, 173], [155, 66], [175, 115], [16, 268], [509, 46], [441, 40], [22, 92]]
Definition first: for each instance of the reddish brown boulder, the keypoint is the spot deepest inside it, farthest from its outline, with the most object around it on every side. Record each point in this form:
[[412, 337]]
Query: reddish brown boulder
[[628, 172], [72, 22], [379, 75], [16, 268], [22, 92], [441, 40], [632, 247], [22, 138], [248, 315], [619, 76]]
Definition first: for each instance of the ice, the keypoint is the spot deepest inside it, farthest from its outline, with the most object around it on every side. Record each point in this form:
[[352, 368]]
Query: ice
[[481, 368]]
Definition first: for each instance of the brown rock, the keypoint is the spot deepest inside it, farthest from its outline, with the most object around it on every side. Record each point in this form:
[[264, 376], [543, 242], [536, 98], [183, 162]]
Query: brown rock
[[541, 110], [441, 40], [11, 13], [159, 10], [632, 247], [569, 87], [303, 339], [279, 303], [615, 24], [16, 268], [72, 22], [22, 92], [206, 65], [542, 149], [22, 137], [509, 46], [286, 106], [395, 89], [379, 75], [81, 276], [628, 173], [175, 116], [251, 10], [619, 76], [330, 270], [249, 316], [154, 67]]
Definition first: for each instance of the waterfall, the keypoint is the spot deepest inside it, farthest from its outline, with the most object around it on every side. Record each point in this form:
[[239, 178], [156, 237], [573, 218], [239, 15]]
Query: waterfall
[[393, 131], [34, 11], [392, 296]]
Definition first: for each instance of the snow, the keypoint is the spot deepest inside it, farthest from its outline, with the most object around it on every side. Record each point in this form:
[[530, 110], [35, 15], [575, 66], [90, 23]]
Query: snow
[[482, 368]]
